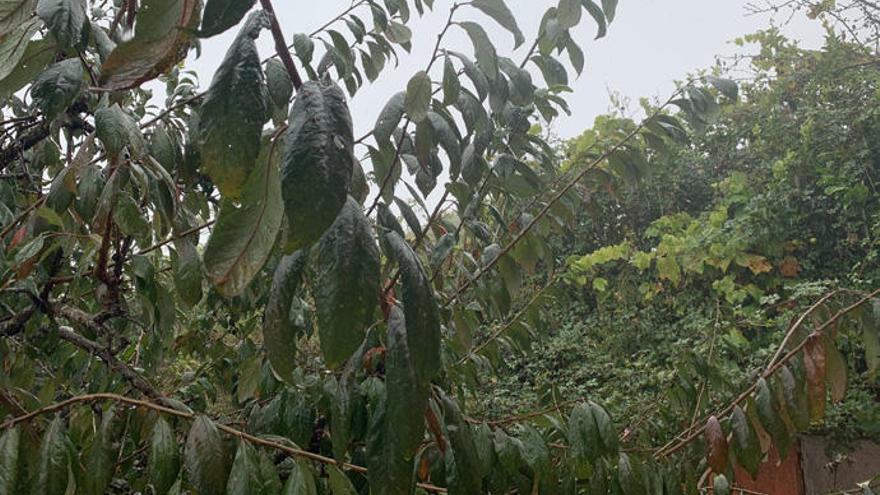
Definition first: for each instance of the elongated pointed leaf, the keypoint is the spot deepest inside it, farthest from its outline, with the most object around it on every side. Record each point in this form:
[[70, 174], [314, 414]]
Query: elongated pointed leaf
[[716, 445], [54, 462], [205, 459], [64, 18], [13, 45], [244, 478], [814, 364], [484, 50], [14, 13], [233, 113], [596, 12], [221, 15], [745, 442], [463, 468], [161, 40], [407, 397], [317, 162], [346, 291], [497, 9], [97, 460], [9, 460], [57, 87], [389, 117], [301, 480], [164, 460], [279, 332], [835, 370], [420, 309], [418, 96]]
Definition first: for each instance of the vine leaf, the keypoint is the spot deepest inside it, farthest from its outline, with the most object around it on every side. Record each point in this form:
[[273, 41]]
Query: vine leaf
[[245, 234], [346, 291]]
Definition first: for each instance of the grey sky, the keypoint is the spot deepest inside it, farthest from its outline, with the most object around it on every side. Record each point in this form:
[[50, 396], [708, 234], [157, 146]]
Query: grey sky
[[650, 44]]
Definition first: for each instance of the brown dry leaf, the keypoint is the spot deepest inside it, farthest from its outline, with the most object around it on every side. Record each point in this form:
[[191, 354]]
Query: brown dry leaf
[[789, 267]]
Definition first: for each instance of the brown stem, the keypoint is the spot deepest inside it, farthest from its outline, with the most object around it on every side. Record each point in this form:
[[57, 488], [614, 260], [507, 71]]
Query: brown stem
[[281, 45]]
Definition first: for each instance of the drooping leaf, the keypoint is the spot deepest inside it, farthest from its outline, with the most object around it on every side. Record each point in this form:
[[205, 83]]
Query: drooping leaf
[[244, 477], [301, 480], [97, 459], [483, 48], [407, 397], [37, 55], [346, 291], [245, 234], [420, 309], [606, 429], [451, 84], [57, 87], [164, 460], [117, 130], [64, 18], [161, 40], [339, 482], [221, 15], [389, 118], [835, 370], [596, 12], [9, 460], [14, 13], [583, 436], [629, 474], [497, 9], [716, 445], [279, 83], [610, 9], [745, 442], [814, 365], [418, 96], [233, 113], [205, 458], [463, 468], [769, 417], [54, 461], [14, 44], [279, 332], [317, 162], [568, 12]]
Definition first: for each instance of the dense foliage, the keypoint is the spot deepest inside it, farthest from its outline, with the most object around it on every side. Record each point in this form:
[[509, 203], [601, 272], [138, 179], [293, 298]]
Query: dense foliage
[[238, 292]]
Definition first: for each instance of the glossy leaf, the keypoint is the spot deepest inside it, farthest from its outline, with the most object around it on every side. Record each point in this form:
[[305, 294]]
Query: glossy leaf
[[317, 162], [205, 459], [346, 289], [164, 459], [420, 310], [279, 331], [244, 235], [233, 113], [221, 15]]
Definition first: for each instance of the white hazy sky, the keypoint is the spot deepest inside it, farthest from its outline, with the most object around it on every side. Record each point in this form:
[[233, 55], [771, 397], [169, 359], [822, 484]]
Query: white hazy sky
[[650, 44]]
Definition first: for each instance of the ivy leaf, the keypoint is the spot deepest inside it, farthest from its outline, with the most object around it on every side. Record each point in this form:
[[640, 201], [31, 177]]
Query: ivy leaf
[[54, 461], [346, 291], [164, 457], [9, 461], [205, 459], [221, 15], [484, 50], [57, 87], [317, 162], [64, 18], [599, 16], [418, 97], [814, 364], [279, 332], [162, 37], [245, 233], [420, 309], [716, 444], [497, 9], [234, 111]]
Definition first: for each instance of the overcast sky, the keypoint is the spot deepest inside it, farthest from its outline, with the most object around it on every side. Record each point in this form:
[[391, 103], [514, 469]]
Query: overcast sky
[[650, 44]]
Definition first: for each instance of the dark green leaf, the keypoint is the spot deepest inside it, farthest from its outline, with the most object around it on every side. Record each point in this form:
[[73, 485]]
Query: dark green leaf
[[64, 18], [205, 458], [244, 477], [420, 310], [451, 84], [164, 460], [568, 13], [245, 233], [221, 15], [13, 45], [57, 87], [317, 163], [598, 16], [233, 113], [9, 461], [54, 461], [117, 129], [418, 97], [279, 83], [496, 9], [389, 118], [279, 331], [301, 480], [745, 442], [346, 291], [483, 48]]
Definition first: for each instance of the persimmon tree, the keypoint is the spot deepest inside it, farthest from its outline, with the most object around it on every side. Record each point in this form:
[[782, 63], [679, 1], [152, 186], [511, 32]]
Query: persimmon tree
[[236, 291]]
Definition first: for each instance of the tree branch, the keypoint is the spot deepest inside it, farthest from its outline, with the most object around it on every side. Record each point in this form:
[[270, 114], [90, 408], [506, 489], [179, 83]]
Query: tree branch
[[281, 45]]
